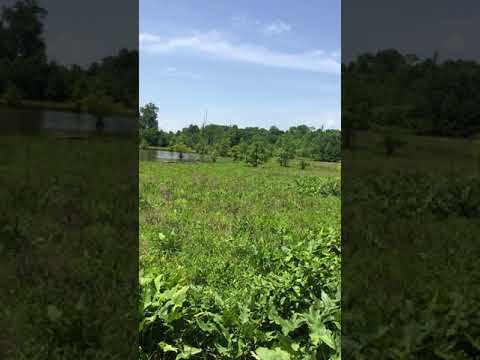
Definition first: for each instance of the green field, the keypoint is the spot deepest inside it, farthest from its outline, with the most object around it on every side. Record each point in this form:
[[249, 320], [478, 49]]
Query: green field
[[66, 238], [410, 249], [239, 262]]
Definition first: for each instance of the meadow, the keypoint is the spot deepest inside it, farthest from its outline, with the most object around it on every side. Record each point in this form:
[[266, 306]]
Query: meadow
[[410, 248], [68, 283], [239, 262]]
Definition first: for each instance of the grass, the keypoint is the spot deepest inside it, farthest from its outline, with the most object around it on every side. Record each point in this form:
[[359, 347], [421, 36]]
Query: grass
[[410, 243], [68, 280], [236, 261]]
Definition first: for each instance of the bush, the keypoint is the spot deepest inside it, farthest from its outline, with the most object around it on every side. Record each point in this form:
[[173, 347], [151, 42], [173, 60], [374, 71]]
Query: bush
[[257, 154], [213, 157], [319, 186], [303, 164], [13, 96], [149, 136]]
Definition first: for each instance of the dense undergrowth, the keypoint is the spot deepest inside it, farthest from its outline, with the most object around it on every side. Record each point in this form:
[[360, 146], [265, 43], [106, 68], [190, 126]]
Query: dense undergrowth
[[238, 263], [411, 274], [68, 280]]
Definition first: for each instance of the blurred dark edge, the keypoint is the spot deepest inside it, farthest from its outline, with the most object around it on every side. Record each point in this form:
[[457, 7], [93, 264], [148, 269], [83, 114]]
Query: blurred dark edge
[[410, 180], [68, 179]]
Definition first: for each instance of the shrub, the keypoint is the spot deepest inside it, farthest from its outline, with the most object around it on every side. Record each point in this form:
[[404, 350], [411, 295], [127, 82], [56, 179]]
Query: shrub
[[319, 186], [303, 164], [13, 96], [257, 154]]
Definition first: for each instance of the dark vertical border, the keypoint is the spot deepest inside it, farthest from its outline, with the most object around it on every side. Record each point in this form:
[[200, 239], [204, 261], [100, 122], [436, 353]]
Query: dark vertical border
[[410, 196], [68, 179]]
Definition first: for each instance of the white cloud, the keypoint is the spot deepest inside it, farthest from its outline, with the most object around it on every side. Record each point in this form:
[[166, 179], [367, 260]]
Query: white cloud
[[276, 28], [214, 44]]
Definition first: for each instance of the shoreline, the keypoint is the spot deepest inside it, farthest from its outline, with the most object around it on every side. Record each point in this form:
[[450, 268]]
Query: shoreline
[[60, 106]]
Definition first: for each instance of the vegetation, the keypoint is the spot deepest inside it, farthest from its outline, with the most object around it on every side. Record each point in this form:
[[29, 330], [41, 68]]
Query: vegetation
[[253, 145], [181, 149], [426, 96], [285, 153], [68, 280], [256, 154], [410, 207], [23, 58], [238, 261], [418, 206], [303, 164]]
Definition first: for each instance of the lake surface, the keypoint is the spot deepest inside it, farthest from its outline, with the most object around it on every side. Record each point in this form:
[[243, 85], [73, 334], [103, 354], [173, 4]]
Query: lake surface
[[163, 155], [33, 121]]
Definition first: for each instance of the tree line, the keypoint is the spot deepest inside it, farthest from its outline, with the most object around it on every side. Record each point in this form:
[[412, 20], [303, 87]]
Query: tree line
[[423, 95], [252, 144], [27, 74]]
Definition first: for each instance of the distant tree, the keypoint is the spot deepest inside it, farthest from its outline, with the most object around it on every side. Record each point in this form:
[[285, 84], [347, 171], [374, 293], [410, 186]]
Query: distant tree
[[256, 154], [148, 124], [286, 152], [23, 31], [202, 146], [235, 153], [57, 87], [22, 48], [326, 145], [274, 134], [223, 147], [150, 137], [213, 154], [163, 138], [148, 117]]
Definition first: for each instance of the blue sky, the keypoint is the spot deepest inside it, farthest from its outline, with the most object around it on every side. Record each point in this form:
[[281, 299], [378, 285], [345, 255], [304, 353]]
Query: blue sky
[[248, 62]]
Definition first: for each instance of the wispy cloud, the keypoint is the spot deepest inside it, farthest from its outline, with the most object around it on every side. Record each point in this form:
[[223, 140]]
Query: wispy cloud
[[276, 28], [214, 44]]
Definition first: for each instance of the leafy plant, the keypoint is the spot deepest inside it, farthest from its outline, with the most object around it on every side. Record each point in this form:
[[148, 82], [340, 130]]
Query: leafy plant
[[230, 270]]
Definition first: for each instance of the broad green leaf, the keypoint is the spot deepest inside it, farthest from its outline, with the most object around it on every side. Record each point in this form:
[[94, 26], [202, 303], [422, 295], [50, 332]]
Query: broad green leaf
[[188, 352], [320, 334], [167, 347], [179, 297], [271, 354]]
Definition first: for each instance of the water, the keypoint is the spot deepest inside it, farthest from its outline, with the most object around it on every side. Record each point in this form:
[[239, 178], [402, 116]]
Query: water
[[33, 121], [162, 155]]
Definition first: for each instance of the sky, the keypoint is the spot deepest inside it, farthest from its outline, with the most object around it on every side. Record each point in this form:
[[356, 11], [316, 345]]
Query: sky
[[245, 62], [81, 32], [418, 27]]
